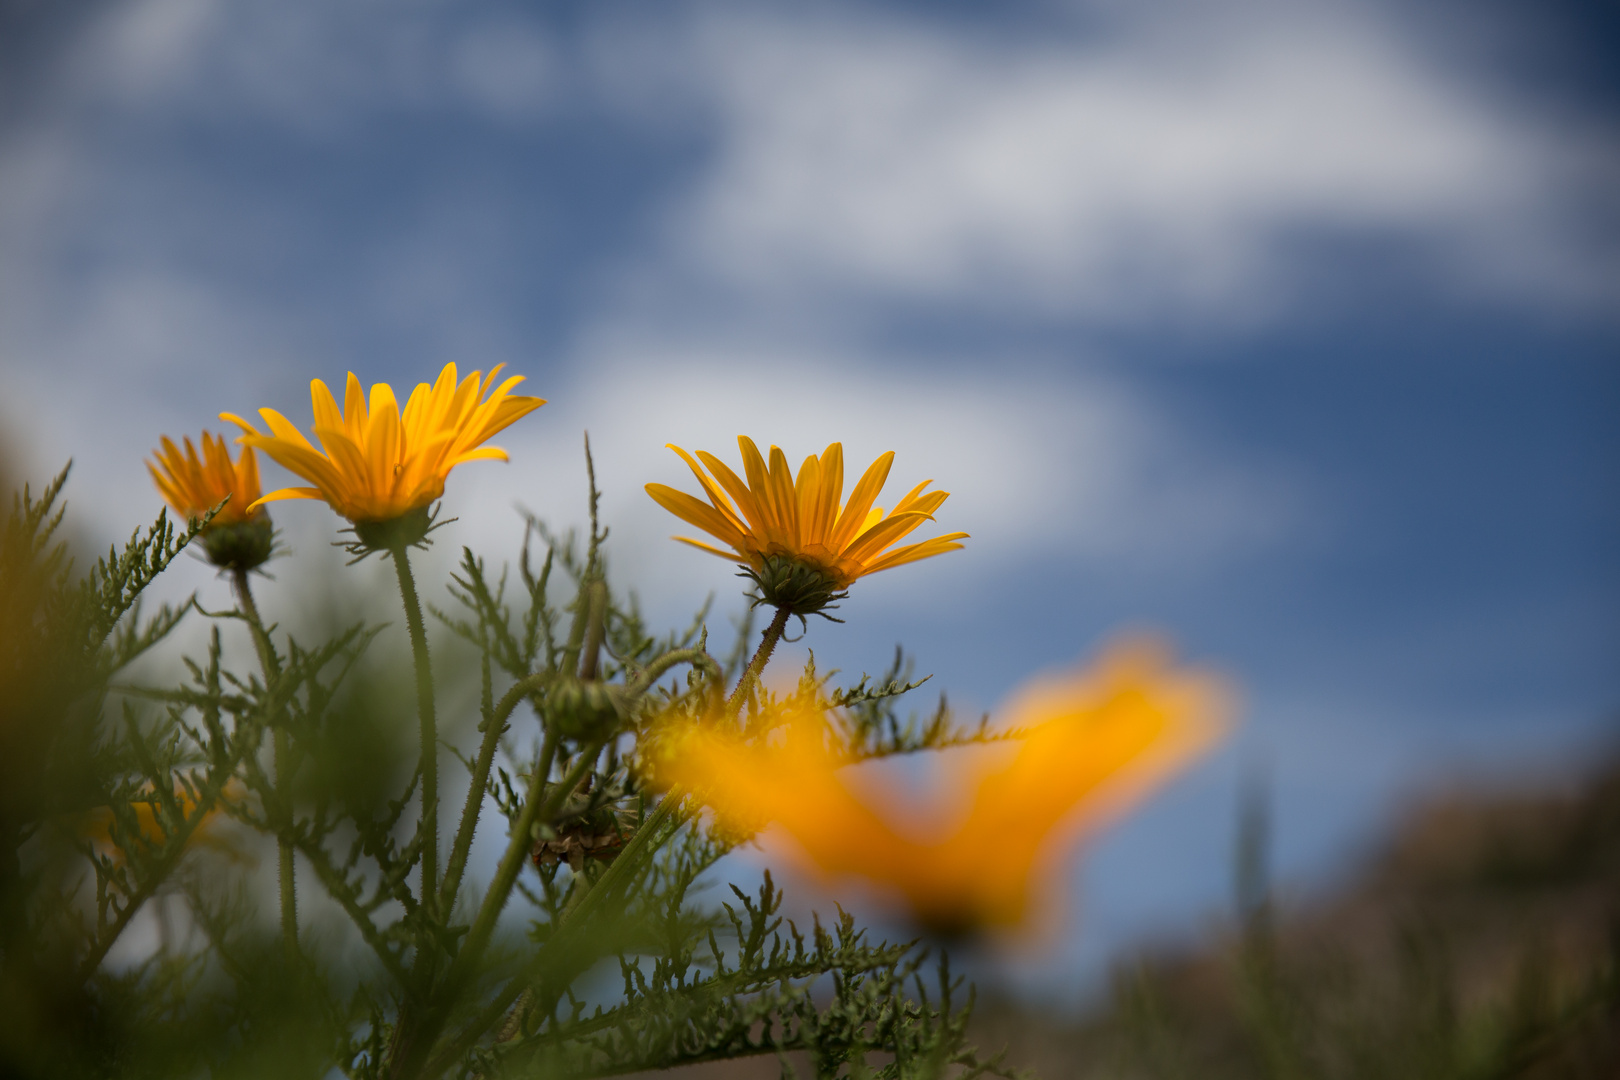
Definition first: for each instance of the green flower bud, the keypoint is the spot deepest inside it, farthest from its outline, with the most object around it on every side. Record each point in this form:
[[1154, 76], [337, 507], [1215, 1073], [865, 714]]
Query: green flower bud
[[585, 710]]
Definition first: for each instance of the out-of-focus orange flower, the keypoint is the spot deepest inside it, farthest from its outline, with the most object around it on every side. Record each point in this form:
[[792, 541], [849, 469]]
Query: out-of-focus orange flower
[[95, 825], [379, 464], [194, 484], [780, 523], [1094, 743]]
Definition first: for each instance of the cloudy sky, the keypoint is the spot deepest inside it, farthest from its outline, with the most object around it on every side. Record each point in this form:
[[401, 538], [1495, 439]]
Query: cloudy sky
[[1287, 328]]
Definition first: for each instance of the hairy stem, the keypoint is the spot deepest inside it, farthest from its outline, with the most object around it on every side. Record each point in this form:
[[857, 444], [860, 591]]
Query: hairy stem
[[576, 630], [575, 921], [480, 781], [624, 867], [750, 675], [429, 730], [655, 670], [271, 667], [538, 808]]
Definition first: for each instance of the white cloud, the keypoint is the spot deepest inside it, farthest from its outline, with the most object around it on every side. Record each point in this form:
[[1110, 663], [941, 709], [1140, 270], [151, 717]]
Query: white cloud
[[318, 68], [146, 47], [1039, 467], [1160, 165]]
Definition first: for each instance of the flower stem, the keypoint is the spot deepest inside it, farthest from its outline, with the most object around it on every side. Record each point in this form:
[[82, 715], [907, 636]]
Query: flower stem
[[750, 675], [539, 807], [429, 729], [576, 919], [271, 668], [415, 1042], [476, 790]]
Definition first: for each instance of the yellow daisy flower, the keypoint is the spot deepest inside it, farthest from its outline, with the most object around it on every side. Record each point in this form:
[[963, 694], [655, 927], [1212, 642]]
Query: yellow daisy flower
[[380, 464], [240, 535], [194, 484], [1092, 744], [790, 534]]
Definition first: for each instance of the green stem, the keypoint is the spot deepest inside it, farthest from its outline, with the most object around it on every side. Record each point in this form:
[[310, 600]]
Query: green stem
[[429, 730], [576, 919], [655, 670], [261, 640], [648, 835], [596, 602], [462, 846], [271, 668], [538, 807], [750, 675], [584, 904]]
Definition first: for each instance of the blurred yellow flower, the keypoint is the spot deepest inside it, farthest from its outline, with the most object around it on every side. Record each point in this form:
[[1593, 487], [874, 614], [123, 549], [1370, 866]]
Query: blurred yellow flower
[[95, 825], [379, 464], [194, 484], [778, 526], [1093, 742]]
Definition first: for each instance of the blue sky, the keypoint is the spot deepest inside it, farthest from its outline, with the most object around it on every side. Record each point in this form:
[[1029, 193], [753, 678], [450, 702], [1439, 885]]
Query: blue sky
[[1285, 328]]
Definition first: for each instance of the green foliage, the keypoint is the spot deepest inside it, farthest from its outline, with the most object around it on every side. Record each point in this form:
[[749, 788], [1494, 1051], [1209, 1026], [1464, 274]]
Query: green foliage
[[867, 716], [97, 801], [140, 932], [695, 1006]]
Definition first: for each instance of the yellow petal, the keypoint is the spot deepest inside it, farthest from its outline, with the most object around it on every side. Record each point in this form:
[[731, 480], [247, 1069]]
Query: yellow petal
[[860, 501], [283, 429], [729, 556], [483, 453], [299, 459], [695, 512], [232, 418], [747, 505], [327, 413], [888, 531], [355, 420], [710, 488], [289, 493], [784, 501], [832, 490], [912, 552]]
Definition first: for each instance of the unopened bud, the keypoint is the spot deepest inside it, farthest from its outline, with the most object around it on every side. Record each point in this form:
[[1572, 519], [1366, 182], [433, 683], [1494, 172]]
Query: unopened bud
[[585, 710]]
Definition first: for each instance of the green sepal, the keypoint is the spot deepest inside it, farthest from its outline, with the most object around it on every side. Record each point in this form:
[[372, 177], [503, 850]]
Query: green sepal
[[244, 545], [801, 587]]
